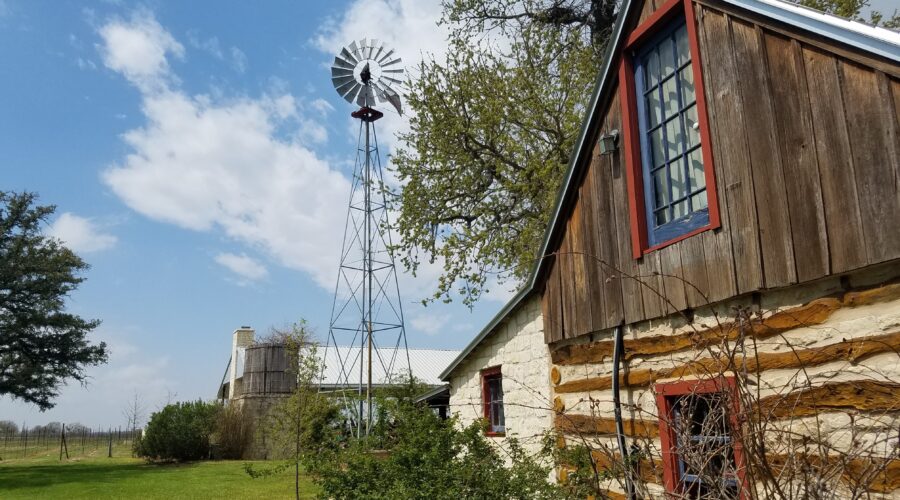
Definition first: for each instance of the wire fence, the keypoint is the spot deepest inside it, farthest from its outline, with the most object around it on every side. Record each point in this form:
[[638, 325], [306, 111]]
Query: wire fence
[[68, 442]]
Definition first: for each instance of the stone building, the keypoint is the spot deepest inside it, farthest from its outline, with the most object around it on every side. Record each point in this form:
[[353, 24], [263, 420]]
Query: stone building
[[717, 307]]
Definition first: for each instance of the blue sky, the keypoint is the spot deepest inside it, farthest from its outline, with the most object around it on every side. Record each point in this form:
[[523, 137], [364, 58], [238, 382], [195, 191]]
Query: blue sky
[[199, 159]]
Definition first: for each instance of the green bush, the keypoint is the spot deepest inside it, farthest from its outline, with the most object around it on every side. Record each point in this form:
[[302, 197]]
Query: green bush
[[427, 457], [180, 432]]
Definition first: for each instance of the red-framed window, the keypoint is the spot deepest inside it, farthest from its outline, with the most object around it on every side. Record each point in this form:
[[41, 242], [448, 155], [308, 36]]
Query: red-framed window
[[492, 400], [700, 439], [666, 139]]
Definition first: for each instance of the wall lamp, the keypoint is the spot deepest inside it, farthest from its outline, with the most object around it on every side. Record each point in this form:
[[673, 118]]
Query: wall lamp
[[609, 142]]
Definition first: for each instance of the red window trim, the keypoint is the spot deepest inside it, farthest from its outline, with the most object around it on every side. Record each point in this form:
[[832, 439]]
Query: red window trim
[[631, 133], [493, 371], [665, 390]]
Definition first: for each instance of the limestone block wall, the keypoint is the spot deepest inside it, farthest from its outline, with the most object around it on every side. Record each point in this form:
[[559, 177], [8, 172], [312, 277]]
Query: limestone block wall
[[517, 346], [823, 360]]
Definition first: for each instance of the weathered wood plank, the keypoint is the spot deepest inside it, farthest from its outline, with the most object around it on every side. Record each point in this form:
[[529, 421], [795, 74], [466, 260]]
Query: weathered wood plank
[[860, 395], [545, 313], [575, 235], [730, 149], [846, 244], [765, 158], [878, 187], [717, 250], [652, 291], [814, 313], [672, 277], [605, 232], [594, 425], [693, 264], [851, 350], [627, 266], [795, 136], [647, 10], [553, 324], [567, 284], [589, 218]]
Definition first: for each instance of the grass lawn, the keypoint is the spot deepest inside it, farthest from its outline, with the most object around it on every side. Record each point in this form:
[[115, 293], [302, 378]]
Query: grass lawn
[[94, 476]]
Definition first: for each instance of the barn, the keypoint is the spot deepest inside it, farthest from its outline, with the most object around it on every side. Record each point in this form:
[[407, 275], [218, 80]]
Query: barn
[[716, 313]]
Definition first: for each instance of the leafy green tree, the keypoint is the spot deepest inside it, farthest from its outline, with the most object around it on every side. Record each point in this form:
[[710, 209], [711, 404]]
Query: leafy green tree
[[492, 130], [41, 345]]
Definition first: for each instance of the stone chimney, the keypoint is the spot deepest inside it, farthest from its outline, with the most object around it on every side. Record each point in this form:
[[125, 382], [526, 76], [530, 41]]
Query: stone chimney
[[242, 337]]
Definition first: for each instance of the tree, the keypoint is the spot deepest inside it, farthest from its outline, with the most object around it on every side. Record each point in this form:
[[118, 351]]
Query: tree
[[492, 130], [180, 432], [134, 414], [41, 345]]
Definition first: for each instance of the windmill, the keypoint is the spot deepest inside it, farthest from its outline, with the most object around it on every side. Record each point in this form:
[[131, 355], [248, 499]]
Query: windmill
[[366, 337]]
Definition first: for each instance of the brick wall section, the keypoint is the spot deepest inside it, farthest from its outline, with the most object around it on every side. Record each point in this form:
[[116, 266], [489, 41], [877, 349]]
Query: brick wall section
[[517, 345]]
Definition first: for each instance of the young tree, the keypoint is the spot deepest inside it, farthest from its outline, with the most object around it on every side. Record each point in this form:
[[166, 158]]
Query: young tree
[[41, 345], [134, 413]]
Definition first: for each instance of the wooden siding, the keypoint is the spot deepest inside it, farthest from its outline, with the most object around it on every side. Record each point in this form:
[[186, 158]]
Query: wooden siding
[[806, 144]]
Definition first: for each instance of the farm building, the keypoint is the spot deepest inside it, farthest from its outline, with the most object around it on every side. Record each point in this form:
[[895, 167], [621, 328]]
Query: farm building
[[256, 376], [716, 313]]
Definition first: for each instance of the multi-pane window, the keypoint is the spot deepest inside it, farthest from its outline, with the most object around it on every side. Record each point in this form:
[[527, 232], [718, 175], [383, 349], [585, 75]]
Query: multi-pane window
[[668, 120], [492, 394], [701, 453]]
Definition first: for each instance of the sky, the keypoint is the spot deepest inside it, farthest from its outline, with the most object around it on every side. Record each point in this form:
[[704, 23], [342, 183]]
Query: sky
[[199, 159]]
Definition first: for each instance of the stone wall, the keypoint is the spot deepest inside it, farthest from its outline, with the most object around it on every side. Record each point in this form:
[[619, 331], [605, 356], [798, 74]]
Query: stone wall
[[517, 346]]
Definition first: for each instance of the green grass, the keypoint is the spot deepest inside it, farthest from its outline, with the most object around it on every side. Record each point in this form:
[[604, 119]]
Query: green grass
[[96, 476]]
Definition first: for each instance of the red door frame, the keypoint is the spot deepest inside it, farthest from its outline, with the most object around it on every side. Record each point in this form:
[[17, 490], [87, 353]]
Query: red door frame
[[491, 372]]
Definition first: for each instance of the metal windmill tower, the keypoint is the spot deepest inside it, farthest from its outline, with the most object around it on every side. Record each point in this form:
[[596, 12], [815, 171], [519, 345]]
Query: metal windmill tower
[[366, 334]]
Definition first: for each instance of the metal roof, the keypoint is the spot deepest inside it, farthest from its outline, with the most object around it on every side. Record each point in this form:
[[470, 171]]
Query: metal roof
[[878, 41], [425, 364]]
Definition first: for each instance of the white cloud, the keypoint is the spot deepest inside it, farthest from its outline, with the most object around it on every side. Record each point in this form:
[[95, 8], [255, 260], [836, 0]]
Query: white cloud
[[139, 49], [430, 323], [80, 234], [234, 56], [246, 267], [232, 164], [238, 60]]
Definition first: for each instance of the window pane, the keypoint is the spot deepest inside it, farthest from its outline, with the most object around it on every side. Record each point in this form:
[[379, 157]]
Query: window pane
[[698, 201], [662, 216], [656, 146], [692, 126], [681, 40], [679, 184], [695, 170], [660, 188], [680, 210], [673, 138], [651, 69], [666, 57], [670, 97], [654, 109], [686, 80]]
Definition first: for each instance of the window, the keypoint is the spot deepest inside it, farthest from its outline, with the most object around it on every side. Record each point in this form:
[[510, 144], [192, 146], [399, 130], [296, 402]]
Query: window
[[701, 456], [492, 398], [666, 135]]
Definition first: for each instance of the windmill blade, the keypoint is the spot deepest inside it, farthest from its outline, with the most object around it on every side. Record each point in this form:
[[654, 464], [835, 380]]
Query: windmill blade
[[374, 44], [340, 63], [349, 57], [391, 70], [339, 81], [394, 99], [344, 89], [350, 96], [339, 72], [385, 57], [395, 61], [378, 53], [392, 80], [366, 97]]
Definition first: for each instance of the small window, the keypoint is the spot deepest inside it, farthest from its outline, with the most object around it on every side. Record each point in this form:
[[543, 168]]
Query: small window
[[672, 159], [700, 455], [492, 397]]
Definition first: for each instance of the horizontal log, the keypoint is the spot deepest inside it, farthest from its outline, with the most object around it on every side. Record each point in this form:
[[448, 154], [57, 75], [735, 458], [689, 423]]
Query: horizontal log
[[861, 395], [847, 350], [814, 313], [594, 425], [648, 471]]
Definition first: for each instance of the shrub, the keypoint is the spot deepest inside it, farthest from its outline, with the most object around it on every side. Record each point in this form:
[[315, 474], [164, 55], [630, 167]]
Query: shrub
[[179, 432], [233, 433]]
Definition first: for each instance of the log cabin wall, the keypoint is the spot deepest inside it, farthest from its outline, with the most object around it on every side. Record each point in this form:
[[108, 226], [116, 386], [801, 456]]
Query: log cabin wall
[[804, 136]]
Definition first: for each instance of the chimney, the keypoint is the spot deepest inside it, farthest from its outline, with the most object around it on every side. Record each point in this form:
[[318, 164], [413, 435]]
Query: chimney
[[242, 337]]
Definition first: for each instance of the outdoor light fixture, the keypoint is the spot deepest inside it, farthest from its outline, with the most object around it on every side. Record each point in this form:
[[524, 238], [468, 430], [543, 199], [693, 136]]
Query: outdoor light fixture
[[609, 142]]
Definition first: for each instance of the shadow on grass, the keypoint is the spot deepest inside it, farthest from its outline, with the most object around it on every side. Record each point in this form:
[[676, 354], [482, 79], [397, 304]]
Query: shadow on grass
[[14, 477]]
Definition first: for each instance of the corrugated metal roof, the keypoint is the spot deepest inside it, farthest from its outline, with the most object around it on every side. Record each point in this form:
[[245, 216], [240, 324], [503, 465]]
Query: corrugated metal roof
[[425, 364], [879, 41]]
